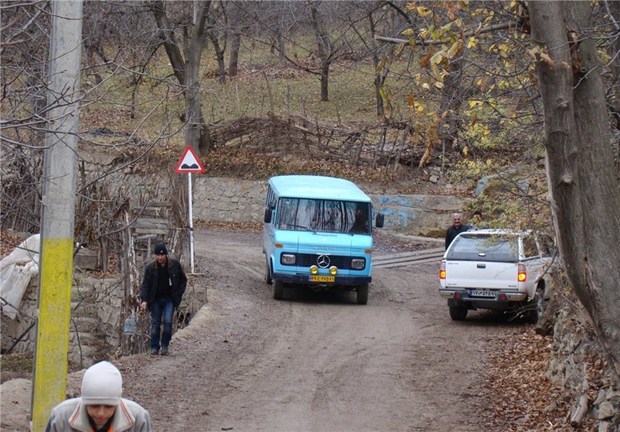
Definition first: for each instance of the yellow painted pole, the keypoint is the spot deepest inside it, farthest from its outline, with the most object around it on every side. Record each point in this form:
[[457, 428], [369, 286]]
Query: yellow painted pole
[[58, 214], [54, 319]]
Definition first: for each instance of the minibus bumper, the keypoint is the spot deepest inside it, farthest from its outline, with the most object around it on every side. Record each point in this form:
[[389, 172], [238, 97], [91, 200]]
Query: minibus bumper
[[339, 280]]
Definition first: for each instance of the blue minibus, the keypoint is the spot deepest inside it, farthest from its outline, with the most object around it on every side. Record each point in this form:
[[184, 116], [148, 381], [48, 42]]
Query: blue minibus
[[318, 234]]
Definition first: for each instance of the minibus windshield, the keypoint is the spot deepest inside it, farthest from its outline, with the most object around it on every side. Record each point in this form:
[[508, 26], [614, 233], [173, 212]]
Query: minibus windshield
[[302, 214]]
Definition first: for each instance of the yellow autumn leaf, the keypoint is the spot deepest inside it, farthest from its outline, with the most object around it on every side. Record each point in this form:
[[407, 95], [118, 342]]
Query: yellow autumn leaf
[[455, 48], [436, 72], [465, 150], [439, 84], [504, 49], [447, 27], [472, 42], [425, 86], [407, 32], [437, 58], [423, 11], [410, 100]]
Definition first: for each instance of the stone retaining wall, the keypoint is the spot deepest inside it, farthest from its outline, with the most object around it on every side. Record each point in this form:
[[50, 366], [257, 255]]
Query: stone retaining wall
[[573, 349], [95, 319]]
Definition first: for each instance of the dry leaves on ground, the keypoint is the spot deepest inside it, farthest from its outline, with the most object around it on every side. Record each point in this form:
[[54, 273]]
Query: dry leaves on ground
[[523, 398]]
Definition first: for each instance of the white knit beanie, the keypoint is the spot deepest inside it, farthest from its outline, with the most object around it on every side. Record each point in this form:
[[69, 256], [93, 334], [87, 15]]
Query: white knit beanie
[[102, 385]]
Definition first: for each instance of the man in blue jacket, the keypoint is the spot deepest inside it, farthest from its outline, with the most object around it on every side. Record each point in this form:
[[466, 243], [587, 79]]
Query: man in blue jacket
[[161, 292]]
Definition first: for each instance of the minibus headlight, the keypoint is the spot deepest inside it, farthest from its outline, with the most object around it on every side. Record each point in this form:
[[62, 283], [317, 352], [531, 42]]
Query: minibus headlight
[[314, 269], [333, 270], [287, 259], [358, 263]]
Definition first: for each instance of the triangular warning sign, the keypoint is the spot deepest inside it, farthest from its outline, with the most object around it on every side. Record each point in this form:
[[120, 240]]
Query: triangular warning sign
[[189, 163]]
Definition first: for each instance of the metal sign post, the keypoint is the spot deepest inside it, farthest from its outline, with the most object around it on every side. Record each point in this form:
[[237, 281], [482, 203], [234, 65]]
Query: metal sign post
[[191, 222], [189, 164]]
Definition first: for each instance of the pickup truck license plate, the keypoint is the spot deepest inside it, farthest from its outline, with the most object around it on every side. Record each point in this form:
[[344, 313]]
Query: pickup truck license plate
[[481, 293], [317, 278]]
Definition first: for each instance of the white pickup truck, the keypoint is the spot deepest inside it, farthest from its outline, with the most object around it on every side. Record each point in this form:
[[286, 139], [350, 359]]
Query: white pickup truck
[[494, 269]]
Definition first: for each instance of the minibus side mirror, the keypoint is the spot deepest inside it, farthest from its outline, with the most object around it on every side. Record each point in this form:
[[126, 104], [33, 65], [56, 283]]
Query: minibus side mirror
[[267, 217], [379, 220]]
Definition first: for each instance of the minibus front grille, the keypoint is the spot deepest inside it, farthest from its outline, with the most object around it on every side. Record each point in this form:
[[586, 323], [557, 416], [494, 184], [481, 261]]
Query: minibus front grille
[[342, 262]]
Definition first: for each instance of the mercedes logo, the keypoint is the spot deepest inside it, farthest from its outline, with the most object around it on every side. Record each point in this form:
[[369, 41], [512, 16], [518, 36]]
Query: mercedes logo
[[323, 261]]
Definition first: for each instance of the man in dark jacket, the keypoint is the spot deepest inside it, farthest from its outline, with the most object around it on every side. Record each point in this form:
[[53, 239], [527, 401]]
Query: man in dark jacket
[[456, 228], [161, 292]]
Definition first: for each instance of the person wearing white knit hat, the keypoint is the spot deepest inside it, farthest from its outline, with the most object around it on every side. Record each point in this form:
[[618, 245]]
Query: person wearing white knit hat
[[101, 407]]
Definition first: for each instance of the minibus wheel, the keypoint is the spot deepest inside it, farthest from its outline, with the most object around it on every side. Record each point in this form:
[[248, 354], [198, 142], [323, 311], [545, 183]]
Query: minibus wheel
[[278, 290], [362, 294], [268, 279]]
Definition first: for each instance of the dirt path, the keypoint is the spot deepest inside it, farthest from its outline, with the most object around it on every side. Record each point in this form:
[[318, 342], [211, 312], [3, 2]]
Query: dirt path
[[315, 361]]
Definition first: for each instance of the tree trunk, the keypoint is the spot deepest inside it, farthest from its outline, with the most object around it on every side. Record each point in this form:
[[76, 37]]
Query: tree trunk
[[233, 61], [324, 48], [219, 56], [580, 170], [172, 49], [380, 72], [325, 82], [451, 100], [187, 71]]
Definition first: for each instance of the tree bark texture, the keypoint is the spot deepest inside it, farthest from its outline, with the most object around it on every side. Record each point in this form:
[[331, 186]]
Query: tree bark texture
[[583, 181]]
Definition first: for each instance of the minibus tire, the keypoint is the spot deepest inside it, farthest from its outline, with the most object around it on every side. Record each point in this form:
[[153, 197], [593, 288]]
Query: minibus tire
[[268, 279], [278, 290], [362, 294]]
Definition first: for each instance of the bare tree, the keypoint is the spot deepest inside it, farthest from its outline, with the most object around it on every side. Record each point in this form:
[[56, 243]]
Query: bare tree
[[25, 29], [581, 173], [186, 63]]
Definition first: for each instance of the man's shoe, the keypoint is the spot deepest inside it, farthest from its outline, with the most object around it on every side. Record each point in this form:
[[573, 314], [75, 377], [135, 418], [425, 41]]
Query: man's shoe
[[154, 351], [164, 350]]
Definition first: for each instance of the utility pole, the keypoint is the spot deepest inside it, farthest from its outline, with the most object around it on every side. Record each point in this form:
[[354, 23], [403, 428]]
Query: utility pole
[[58, 214]]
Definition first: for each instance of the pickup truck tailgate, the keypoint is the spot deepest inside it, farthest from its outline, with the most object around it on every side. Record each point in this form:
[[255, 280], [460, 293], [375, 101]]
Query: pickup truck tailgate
[[481, 274]]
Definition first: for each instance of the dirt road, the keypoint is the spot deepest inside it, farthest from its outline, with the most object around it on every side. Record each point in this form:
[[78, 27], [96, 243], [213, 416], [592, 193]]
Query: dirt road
[[315, 361]]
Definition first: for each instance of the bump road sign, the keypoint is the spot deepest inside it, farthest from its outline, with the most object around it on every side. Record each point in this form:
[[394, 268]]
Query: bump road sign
[[189, 163]]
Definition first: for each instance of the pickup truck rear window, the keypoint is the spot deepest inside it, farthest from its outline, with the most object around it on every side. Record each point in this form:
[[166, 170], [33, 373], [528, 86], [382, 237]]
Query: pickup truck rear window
[[495, 248]]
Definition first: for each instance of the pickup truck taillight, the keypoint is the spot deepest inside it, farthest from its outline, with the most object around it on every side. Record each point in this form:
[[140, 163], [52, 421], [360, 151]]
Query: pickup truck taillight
[[521, 273], [442, 271]]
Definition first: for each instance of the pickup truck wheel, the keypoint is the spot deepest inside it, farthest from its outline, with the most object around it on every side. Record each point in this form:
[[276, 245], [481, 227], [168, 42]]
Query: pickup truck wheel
[[268, 279], [537, 306], [458, 313], [278, 290], [362, 294]]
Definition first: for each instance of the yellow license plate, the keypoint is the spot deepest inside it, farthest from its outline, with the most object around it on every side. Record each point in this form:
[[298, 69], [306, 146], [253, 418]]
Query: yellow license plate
[[317, 278]]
